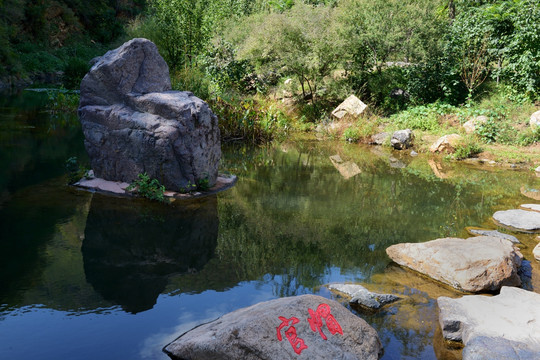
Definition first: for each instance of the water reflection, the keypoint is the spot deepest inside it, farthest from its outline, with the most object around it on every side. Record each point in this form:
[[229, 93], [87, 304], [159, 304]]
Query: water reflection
[[131, 247]]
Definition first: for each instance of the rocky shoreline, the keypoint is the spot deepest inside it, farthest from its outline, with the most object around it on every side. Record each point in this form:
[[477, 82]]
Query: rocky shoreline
[[487, 326]]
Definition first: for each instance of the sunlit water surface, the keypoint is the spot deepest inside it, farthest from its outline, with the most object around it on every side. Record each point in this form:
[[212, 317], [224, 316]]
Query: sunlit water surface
[[86, 276]]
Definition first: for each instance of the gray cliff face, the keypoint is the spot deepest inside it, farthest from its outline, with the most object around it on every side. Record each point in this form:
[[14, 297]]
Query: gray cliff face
[[134, 123]]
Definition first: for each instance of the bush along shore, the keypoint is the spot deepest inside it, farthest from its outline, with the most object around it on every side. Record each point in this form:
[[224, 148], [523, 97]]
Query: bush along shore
[[269, 69]]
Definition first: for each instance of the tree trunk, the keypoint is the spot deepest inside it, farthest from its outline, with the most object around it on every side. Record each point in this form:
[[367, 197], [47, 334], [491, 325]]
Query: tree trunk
[[451, 10]]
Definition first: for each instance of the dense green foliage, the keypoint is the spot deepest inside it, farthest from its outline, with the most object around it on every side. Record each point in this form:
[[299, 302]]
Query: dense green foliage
[[408, 57], [47, 36]]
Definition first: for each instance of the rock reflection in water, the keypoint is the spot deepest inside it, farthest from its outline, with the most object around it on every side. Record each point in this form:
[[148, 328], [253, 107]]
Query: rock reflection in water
[[131, 247]]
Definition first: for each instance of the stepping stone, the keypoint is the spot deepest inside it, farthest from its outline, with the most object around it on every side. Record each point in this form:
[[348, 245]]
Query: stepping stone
[[494, 233], [533, 207], [362, 296], [481, 263], [522, 220]]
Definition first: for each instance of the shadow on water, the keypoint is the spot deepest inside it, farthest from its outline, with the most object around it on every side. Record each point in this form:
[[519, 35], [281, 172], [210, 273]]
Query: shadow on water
[[131, 247]]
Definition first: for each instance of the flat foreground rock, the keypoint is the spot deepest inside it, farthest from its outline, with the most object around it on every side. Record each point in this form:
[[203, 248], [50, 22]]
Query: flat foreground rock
[[482, 263], [362, 296], [522, 220], [306, 326], [508, 323]]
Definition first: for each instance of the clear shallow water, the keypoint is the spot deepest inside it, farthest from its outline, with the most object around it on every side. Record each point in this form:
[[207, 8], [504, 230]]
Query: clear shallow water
[[86, 276]]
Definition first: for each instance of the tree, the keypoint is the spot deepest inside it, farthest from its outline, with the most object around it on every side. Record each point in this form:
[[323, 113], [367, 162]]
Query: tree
[[183, 29], [301, 41]]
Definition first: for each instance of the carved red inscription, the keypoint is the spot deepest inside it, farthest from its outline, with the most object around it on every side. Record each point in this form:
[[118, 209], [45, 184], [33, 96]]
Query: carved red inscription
[[315, 321], [297, 343]]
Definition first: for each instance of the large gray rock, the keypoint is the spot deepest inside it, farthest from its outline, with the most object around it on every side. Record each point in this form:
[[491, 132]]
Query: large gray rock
[[132, 69], [280, 329], [475, 264], [519, 219], [506, 322], [402, 139], [133, 123], [362, 296]]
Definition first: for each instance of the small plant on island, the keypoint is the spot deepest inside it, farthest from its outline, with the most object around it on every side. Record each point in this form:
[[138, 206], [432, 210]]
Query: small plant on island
[[201, 185], [148, 188], [75, 170]]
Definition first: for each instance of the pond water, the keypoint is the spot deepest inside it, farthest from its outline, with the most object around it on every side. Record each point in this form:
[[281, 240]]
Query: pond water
[[86, 276]]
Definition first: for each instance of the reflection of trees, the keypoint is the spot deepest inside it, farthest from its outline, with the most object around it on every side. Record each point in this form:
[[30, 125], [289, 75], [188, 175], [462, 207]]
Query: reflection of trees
[[131, 247], [293, 213], [28, 224], [30, 150]]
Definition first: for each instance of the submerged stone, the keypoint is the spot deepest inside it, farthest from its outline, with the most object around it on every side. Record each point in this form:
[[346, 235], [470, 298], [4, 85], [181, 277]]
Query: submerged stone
[[347, 169], [493, 233], [307, 325]]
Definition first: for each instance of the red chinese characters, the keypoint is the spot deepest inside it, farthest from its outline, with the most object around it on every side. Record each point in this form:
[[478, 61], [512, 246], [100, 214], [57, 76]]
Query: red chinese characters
[[297, 344], [315, 320]]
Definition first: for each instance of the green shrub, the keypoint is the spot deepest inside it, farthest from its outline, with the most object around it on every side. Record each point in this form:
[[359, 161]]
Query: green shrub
[[423, 117], [203, 184], [351, 134], [75, 170], [191, 79], [148, 188], [529, 137], [469, 148], [248, 119]]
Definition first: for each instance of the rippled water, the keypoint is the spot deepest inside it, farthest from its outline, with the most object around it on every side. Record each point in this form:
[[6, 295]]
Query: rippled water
[[92, 277]]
